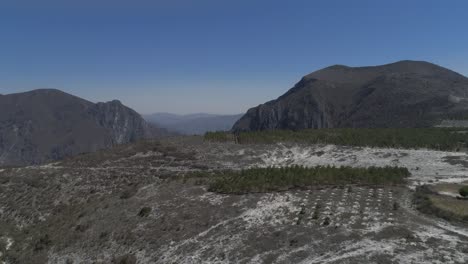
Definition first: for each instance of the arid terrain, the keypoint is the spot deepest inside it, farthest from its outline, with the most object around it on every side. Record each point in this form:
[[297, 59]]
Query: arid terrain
[[148, 203], [233, 132]]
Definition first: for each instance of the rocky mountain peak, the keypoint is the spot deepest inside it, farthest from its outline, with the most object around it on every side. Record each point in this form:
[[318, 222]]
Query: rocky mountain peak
[[48, 124], [401, 94]]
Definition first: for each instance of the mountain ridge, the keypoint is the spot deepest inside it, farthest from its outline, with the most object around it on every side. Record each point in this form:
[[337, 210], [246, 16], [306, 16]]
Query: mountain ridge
[[49, 124], [400, 94]]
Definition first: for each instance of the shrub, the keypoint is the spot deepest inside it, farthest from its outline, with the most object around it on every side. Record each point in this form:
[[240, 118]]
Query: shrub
[[129, 192], [43, 243], [144, 212], [125, 259], [464, 191], [82, 227], [316, 214]]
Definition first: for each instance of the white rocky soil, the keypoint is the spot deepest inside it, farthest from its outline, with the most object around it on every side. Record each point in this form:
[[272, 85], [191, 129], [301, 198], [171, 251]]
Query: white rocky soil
[[426, 166], [79, 205]]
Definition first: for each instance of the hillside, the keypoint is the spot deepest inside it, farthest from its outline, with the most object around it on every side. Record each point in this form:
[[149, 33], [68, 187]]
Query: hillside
[[155, 202], [192, 124], [401, 94], [48, 124]]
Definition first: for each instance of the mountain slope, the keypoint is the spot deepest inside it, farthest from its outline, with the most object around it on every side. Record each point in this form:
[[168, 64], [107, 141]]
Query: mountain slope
[[48, 124], [401, 94], [193, 124]]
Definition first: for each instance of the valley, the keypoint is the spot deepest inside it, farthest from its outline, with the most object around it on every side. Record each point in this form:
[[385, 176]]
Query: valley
[[233, 132]]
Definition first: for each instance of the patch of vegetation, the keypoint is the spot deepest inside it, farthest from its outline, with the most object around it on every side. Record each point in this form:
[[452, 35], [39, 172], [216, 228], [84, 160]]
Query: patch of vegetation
[[44, 242], [129, 192], [220, 136], [2, 249], [432, 138], [464, 191], [281, 179], [125, 151], [194, 177], [316, 214], [82, 227], [144, 212], [125, 259], [457, 116], [448, 208]]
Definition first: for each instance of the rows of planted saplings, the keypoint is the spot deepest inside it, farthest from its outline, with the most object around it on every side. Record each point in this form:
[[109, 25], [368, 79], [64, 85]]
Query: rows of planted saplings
[[433, 138], [280, 179]]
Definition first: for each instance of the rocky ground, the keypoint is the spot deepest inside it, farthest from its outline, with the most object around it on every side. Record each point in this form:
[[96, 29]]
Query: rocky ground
[[130, 205]]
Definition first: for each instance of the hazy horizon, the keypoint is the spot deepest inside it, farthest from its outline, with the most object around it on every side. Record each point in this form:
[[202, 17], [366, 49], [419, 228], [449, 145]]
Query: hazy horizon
[[214, 57]]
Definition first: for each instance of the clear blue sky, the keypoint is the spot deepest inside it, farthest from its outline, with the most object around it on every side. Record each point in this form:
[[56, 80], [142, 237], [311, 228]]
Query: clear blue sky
[[214, 56]]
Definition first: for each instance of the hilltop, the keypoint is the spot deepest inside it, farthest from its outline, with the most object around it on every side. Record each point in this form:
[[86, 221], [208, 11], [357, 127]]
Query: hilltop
[[401, 94]]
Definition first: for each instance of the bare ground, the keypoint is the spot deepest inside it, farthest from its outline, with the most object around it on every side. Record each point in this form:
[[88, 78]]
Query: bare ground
[[91, 209]]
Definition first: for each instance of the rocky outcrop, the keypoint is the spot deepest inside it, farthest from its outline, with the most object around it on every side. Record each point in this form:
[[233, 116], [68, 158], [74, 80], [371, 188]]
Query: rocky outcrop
[[48, 124], [124, 124], [401, 94]]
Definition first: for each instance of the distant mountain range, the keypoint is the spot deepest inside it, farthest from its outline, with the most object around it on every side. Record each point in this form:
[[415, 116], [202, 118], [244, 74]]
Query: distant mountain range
[[401, 94], [48, 124], [192, 124]]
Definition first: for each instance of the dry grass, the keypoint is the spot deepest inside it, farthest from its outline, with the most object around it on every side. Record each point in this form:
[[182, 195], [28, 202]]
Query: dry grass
[[447, 187], [428, 201], [457, 207]]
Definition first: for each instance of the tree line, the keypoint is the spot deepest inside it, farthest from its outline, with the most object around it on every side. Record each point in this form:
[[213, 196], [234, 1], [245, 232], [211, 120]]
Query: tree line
[[284, 178]]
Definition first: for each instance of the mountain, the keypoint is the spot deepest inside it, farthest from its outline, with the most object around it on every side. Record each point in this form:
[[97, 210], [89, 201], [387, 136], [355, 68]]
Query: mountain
[[401, 94], [48, 124], [192, 124]]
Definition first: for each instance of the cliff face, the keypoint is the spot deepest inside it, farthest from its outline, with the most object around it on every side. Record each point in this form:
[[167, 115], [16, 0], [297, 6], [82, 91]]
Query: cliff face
[[48, 124], [124, 124], [401, 94]]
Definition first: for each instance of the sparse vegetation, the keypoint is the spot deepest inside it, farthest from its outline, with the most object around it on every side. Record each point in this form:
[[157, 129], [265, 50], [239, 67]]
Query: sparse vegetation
[[220, 136], [281, 179], [78, 204], [432, 138]]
